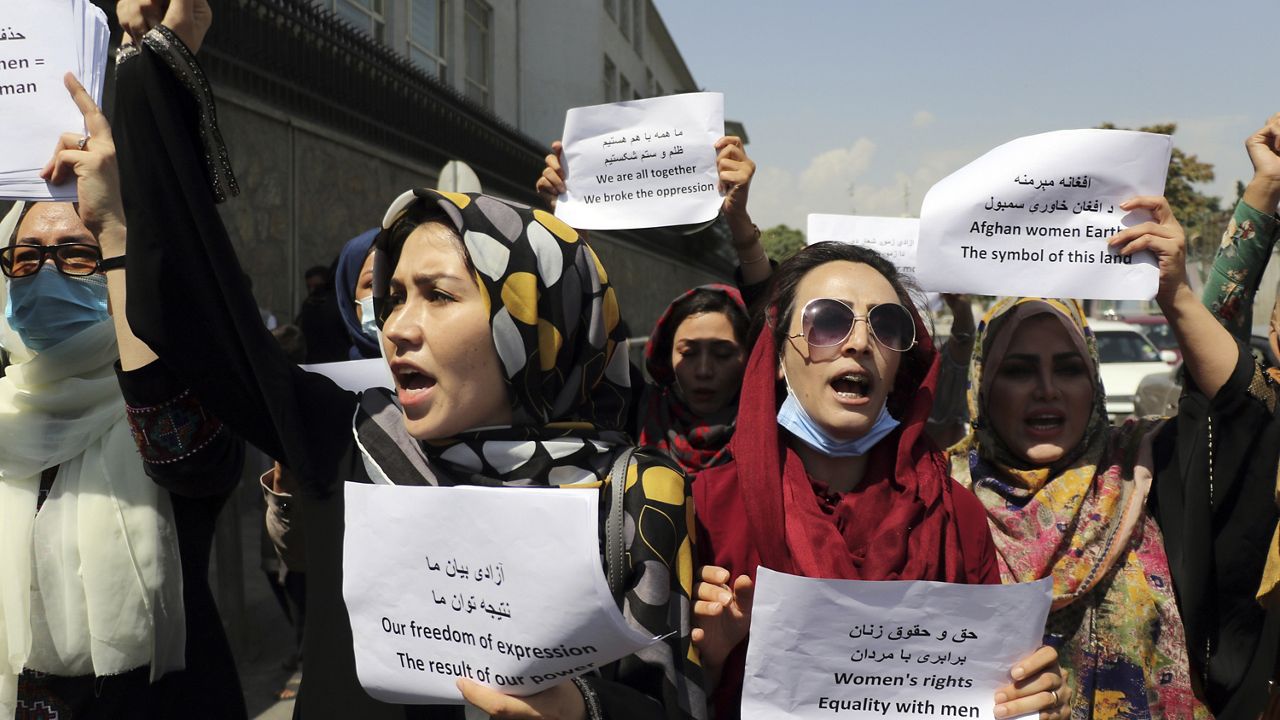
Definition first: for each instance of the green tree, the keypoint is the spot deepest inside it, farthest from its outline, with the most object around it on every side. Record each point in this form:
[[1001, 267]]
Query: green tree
[[1201, 215], [782, 241]]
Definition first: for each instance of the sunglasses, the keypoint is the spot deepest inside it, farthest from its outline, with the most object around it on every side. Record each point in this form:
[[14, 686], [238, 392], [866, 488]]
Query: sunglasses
[[76, 259], [828, 322]]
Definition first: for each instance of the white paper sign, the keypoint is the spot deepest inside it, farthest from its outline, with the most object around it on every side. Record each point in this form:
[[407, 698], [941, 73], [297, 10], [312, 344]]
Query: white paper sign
[[500, 585], [355, 375], [894, 238], [907, 650], [1032, 217], [642, 163], [40, 41]]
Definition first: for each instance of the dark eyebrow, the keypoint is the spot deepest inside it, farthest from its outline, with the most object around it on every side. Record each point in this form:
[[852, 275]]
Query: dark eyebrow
[[1031, 358]]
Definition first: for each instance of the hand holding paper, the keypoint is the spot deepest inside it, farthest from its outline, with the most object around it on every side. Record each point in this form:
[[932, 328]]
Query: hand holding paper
[[1032, 217], [642, 163], [1163, 236], [92, 164]]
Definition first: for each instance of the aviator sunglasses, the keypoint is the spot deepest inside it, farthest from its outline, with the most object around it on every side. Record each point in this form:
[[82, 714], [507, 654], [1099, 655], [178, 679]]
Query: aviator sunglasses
[[828, 322]]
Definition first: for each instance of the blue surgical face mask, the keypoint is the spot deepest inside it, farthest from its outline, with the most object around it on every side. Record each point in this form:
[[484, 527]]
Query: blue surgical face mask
[[795, 420], [368, 325], [49, 307]]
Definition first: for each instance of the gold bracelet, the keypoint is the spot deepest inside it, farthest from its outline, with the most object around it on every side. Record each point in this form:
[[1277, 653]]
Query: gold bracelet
[[763, 256]]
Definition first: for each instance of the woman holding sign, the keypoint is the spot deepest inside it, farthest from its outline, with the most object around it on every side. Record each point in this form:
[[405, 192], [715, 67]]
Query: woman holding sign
[[1155, 557], [840, 480], [505, 341], [111, 476]]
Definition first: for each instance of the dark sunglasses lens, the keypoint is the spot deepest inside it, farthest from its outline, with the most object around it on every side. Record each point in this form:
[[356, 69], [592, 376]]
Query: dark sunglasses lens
[[826, 322], [893, 325]]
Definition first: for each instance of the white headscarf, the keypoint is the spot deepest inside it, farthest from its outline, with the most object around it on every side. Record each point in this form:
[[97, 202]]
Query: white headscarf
[[93, 583]]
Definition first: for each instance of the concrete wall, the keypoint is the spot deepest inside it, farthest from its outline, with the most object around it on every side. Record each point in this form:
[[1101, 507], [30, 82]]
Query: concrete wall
[[304, 191]]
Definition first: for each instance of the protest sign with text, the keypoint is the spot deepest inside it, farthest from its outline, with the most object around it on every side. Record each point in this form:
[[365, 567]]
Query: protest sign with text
[[502, 586], [40, 41], [1032, 217], [894, 238], [906, 650], [642, 163]]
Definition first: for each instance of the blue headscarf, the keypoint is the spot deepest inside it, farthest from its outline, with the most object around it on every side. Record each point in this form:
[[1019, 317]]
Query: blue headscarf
[[345, 278]]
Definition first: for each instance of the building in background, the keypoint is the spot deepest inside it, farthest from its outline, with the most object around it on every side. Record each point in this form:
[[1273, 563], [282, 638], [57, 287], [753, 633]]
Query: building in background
[[331, 108]]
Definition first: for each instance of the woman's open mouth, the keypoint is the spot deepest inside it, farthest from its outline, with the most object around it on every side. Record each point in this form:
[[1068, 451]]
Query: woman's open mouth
[[413, 387], [853, 388], [1044, 425]]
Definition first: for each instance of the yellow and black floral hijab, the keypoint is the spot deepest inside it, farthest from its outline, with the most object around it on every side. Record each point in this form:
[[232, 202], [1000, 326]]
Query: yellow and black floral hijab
[[556, 328]]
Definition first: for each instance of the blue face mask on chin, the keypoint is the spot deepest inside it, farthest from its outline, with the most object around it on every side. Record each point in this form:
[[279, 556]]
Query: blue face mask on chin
[[368, 325], [794, 419], [49, 307]]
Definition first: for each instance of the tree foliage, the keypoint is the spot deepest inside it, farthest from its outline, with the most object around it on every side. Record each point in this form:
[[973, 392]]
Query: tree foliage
[[782, 241]]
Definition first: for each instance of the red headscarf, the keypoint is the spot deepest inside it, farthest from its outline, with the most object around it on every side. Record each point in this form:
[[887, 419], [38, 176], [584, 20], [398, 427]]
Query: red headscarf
[[671, 426], [899, 523]]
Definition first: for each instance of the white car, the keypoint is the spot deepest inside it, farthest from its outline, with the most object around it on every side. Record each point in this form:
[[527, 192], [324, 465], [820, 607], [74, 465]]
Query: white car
[[1127, 357]]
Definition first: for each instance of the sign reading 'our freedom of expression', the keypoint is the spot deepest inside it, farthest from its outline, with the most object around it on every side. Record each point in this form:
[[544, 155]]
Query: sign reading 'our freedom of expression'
[[498, 585], [1032, 217], [903, 650], [642, 163]]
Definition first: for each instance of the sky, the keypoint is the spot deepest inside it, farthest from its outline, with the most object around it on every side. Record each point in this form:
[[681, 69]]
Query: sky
[[859, 106]]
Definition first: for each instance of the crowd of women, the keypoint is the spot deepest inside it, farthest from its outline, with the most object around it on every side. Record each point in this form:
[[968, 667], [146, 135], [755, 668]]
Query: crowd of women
[[786, 423]]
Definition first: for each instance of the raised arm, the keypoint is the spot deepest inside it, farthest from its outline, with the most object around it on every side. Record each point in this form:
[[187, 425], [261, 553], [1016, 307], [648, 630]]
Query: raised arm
[[187, 296], [1208, 350], [1250, 239]]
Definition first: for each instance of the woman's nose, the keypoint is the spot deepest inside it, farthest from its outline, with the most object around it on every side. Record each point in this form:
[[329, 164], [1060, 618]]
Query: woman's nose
[[859, 339]]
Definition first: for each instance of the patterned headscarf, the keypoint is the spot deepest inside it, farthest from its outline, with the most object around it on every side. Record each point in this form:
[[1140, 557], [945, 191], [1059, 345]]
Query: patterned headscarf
[[556, 328], [1082, 521], [670, 426]]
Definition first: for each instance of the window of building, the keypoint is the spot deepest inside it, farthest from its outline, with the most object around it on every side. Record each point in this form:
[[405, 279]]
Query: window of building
[[425, 41], [366, 15], [610, 80], [624, 18], [479, 47], [637, 26], [624, 87]]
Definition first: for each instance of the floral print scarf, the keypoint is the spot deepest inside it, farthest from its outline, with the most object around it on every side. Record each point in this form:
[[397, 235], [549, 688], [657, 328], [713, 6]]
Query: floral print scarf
[[1083, 521]]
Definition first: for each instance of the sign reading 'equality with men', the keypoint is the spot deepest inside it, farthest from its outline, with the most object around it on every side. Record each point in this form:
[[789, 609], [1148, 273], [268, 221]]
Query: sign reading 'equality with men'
[[905, 650], [642, 163], [1033, 216]]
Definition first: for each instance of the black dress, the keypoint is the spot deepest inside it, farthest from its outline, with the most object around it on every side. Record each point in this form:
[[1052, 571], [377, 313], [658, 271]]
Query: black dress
[[1214, 499]]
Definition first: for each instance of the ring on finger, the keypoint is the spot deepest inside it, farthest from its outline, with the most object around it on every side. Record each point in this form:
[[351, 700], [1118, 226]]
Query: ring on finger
[[1056, 701], [83, 141]]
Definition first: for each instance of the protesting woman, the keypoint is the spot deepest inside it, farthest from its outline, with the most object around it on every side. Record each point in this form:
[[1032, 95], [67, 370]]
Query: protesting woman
[[695, 356], [1154, 534], [506, 344], [104, 596], [839, 481], [353, 282]]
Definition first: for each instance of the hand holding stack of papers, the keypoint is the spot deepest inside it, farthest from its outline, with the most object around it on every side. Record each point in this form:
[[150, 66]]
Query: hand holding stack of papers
[[40, 41]]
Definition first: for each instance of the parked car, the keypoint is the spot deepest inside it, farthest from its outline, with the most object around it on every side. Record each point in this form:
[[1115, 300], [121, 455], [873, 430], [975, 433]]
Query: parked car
[[1156, 329], [1127, 357], [1158, 393]]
